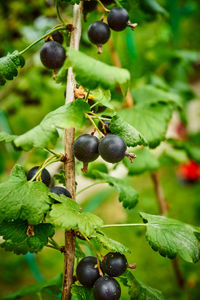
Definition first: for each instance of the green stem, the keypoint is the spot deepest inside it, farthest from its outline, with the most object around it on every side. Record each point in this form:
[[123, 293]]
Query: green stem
[[52, 247], [58, 12], [50, 160], [123, 225], [39, 296], [53, 242], [100, 120], [41, 38], [89, 186], [94, 125], [53, 152], [97, 254], [118, 3], [107, 10]]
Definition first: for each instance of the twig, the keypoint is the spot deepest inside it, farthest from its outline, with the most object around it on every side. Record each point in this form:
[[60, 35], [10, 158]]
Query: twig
[[164, 211], [159, 194], [69, 251], [116, 62]]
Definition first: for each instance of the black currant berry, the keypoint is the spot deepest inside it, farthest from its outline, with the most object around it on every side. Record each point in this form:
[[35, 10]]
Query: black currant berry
[[89, 6], [87, 272], [118, 18], [112, 148], [99, 33], [52, 55], [86, 148], [55, 36], [59, 190], [114, 264], [106, 288], [107, 124], [46, 178]]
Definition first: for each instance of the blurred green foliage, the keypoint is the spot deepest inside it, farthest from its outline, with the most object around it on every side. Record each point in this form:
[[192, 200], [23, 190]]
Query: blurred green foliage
[[163, 51]]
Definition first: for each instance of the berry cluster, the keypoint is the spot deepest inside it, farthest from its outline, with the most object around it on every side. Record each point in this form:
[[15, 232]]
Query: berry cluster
[[105, 287], [46, 179], [53, 54], [87, 148], [99, 32]]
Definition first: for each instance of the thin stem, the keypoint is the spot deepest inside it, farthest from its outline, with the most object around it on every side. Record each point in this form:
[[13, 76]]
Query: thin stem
[[41, 38], [53, 152], [100, 120], [94, 125], [39, 296], [50, 160], [116, 61], [58, 12], [53, 242], [53, 247], [164, 211], [69, 164], [107, 10], [118, 3], [88, 187], [88, 93], [159, 193], [97, 254], [124, 225]]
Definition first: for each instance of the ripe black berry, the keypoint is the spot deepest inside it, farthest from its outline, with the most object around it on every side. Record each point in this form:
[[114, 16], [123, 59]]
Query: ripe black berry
[[99, 33], [86, 148], [106, 288], [112, 148], [87, 271], [55, 36], [59, 190], [89, 6], [46, 178], [114, 264], [107, 124], [52, 55], [118, 18]]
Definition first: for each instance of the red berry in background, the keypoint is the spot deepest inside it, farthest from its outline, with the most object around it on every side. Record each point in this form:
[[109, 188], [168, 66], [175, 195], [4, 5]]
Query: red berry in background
[[190, 172]]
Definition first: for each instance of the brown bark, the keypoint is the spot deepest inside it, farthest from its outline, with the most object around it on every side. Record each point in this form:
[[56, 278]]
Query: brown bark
[[69, 250], [159, 194]]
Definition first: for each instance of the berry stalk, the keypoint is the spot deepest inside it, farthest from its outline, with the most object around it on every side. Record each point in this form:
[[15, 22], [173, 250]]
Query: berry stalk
[[69, 249]]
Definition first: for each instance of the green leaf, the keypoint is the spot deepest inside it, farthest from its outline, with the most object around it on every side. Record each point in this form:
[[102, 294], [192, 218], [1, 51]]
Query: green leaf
[[100, 75], [96, 166], [9, 65], [171, 237], [21, 199], [138, 290], [67, 215], [6, 137], [81, 293], [151, 122], [60, 177], [55, 282], [102, 97], [153, 7], [16, 238], [145, 161], [45, 134], [127, 132], [192, 150], [178, 156], [148, 94], [127, 194], [110, 244]]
